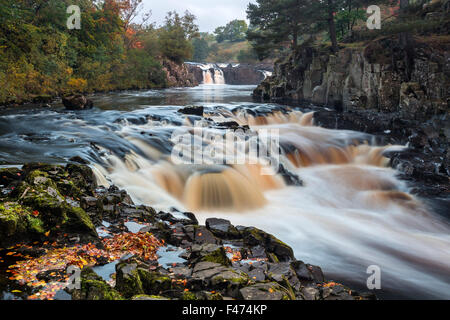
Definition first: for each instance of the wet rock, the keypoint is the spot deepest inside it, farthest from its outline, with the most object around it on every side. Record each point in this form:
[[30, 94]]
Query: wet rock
[[77, 102], [154, 283], [307, 272], [209, 253], [79, 160], [209, 296], [284, 274], [254, 237], [194, 110], [128, 282], [217, 277], [222, 228], [94, 288], [191, 217], [189, 220], [257, 275], [310, 293], [200, 235], [264, 291]]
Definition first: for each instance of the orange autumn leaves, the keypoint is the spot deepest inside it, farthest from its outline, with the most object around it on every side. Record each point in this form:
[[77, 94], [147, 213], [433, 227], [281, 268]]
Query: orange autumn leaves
[[55, 259], [144, 245]]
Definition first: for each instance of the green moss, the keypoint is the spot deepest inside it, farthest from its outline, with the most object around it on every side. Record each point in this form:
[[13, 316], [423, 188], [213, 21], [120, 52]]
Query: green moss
[[187, 295], [148, 297], [12, 219], [217, 256], [36, 174], [78, 220], [35, 225], [154, 282], [128, 281], [99, 290]]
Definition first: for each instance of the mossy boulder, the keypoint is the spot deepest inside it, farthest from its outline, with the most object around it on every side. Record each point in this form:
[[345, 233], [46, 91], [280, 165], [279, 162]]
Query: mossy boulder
[[93, 287], [134, 279], [154, 283], [209, 253], [265, 291], [9, 176], [256, 237], [12, 219], [128, 281], [17, 221], [188, 295]]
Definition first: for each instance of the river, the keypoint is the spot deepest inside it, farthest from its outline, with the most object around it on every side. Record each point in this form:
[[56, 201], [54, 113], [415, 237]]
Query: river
[[351, 212]]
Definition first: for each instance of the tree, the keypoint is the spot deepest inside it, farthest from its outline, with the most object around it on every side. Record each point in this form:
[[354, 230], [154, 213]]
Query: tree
[[277, 22], [201, 49], [175, 35], [220, 34]]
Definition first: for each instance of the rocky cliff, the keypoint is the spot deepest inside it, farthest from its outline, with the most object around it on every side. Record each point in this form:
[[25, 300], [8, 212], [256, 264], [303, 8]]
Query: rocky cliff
[[385, 75], [178, 75], [245, 74], [395, 87]]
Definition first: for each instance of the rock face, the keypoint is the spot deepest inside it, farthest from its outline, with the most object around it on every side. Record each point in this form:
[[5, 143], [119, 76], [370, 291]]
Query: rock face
[[178, 75], [385, 75], [244, 74]]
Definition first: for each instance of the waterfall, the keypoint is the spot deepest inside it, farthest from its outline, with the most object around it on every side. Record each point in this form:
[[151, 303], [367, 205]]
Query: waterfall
[[351, 207], [212, 73], [218, 76]]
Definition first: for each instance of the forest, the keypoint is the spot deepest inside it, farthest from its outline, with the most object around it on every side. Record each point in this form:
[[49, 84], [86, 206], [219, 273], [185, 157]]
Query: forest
[[115, 48]]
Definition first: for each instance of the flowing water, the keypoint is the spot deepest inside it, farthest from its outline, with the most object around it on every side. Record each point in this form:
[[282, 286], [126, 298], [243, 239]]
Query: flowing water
[[351, 212]]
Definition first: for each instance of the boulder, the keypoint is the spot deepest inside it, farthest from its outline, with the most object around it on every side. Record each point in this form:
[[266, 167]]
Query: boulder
[[77, 102], [264, 291]]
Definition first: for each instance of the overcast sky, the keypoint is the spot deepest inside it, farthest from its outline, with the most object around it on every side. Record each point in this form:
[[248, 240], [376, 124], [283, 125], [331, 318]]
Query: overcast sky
[[210, 13]]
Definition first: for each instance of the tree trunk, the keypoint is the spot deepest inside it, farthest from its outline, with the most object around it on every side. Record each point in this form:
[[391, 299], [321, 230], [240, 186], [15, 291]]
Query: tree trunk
[[332, 26]]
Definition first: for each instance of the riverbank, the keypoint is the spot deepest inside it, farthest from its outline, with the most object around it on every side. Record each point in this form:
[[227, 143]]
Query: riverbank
[[53, 217]]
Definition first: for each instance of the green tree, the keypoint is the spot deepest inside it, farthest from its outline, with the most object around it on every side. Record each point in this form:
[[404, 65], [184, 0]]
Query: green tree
[[277, 22], [234, 31], [175, 35], [201, 49]]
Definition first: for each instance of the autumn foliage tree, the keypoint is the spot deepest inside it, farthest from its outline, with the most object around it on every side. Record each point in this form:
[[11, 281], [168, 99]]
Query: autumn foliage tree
[[116, 47]]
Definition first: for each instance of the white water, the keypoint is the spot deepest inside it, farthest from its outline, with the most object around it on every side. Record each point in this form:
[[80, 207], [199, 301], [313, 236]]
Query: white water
[[352, 212], [212, 73]]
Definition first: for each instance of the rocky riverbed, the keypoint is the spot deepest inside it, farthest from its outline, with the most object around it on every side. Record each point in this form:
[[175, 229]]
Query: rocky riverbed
[[53, 217]]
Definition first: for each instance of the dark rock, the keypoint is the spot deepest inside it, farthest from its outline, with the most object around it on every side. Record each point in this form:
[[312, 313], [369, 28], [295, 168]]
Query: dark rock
[[200, 235], [128, 282], [307, 272], [78, 159], [209, 253], [222, 228], [254, 237], [243, 75], [195, 110], [264, 291], [94, 288], [77, 102]]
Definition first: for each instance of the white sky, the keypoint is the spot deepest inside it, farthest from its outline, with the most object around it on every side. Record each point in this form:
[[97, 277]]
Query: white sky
[[210, 13]]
